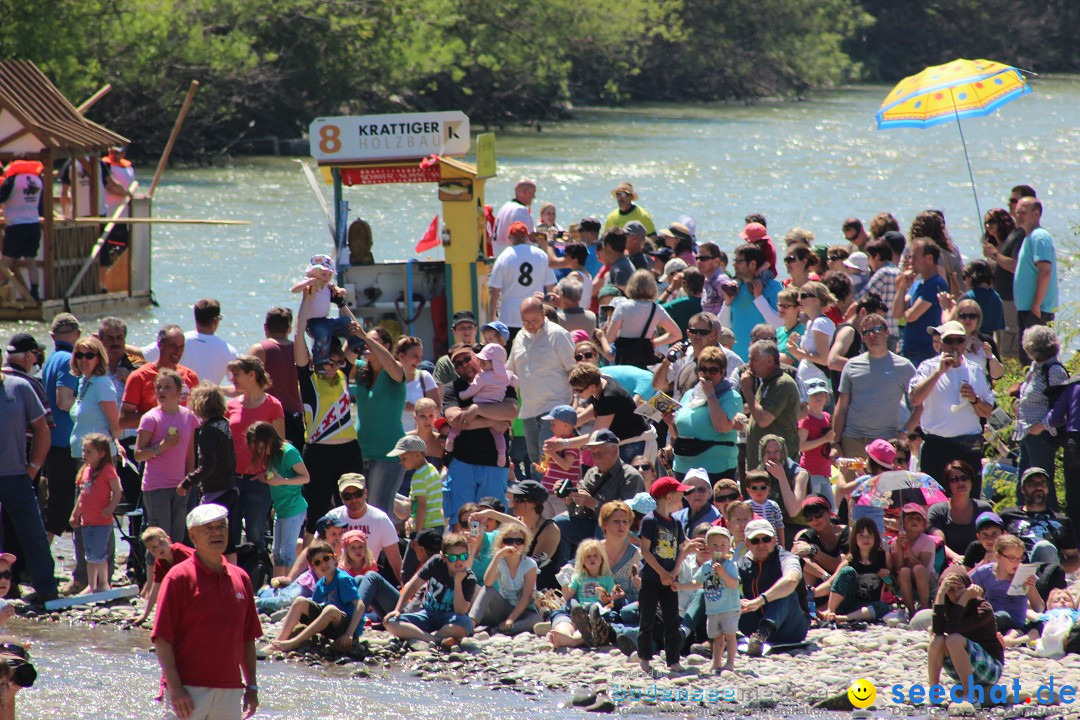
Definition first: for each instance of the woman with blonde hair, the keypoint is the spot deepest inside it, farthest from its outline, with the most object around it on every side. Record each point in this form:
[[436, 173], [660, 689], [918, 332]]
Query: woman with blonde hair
[[634, 324], [95, 408], [812, 349]]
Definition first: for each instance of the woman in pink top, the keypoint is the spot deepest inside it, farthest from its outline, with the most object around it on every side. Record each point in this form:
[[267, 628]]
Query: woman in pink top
[[252, 405], [164, 443]]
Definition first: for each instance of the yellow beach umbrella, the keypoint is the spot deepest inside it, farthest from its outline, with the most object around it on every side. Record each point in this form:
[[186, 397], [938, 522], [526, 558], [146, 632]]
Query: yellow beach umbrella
[[944, 93]]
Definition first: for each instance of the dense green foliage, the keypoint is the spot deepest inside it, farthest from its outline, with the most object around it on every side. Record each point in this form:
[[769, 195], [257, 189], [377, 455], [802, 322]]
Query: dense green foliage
[[269, 67]]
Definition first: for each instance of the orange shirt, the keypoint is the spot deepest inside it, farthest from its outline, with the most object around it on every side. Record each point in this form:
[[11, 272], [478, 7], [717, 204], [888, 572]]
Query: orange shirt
[[139, 389]]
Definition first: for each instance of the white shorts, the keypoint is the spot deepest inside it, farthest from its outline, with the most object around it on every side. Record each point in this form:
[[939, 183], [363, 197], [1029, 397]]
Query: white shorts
[[213, 703], [722, 624]]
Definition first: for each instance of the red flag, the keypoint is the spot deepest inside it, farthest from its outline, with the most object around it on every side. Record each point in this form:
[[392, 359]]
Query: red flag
[[431, 237]]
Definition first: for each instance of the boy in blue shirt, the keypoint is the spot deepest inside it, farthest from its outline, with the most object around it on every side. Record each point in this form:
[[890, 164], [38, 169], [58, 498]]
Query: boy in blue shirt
[[332, 609]]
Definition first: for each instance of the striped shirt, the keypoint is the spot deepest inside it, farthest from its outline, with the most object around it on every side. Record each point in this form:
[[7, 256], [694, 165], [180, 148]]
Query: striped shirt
[[555, 474], [768, 510], [427, 482], [883, 284]]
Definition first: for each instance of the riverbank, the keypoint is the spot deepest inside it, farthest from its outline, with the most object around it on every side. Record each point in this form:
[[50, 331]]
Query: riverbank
[[605, 680]]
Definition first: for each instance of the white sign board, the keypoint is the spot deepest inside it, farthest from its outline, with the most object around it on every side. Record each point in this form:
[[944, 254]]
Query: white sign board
[[363, 138]]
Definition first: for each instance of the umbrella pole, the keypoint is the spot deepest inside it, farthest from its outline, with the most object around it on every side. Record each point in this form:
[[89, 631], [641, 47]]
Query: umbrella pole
[[971, 176]]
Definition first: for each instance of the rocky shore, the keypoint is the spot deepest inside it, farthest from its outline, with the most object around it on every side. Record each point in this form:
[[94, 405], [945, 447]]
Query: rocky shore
[[605, 679]]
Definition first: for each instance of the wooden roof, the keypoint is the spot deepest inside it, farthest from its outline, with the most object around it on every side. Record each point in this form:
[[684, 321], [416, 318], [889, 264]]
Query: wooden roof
[[35, 117]]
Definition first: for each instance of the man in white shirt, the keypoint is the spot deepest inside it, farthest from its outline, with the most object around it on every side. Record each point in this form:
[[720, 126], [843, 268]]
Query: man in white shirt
[[954, 394], [519, 273], [204, 352], [542, 355], [514, 210], [381, 535]]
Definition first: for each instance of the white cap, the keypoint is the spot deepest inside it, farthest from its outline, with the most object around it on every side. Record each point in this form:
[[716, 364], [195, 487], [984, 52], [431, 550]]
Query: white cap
[[672, 266], [757, 527], [699, 473], [858, 261], [206, 514]]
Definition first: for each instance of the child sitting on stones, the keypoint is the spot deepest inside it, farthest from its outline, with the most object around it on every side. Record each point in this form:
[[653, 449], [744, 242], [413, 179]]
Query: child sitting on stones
[[332, 609]]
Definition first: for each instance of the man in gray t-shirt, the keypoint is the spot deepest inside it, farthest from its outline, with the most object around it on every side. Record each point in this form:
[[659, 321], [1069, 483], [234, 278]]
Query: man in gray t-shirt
[[871, 387], [20, 409]]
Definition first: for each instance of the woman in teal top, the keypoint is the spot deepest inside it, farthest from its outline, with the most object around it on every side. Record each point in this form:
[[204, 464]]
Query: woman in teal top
[[703, 429], [95, 408], [285, 474], [379, 392]]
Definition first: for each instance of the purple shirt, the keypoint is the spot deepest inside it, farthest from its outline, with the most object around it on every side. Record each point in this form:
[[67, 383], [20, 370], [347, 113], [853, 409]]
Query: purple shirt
[[1066, 411], [997, 593]]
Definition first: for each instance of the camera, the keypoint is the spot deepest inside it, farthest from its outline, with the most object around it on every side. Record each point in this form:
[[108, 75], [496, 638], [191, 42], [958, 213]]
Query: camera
[[564, 489], [18, 659]]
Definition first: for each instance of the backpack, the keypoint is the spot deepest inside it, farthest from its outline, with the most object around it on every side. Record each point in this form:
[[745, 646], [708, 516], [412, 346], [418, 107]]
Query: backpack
[[256, 563]]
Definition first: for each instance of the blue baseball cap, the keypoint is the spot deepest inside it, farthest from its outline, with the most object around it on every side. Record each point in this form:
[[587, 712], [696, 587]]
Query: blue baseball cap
[[497, 327], [989, 518], [564, 413]]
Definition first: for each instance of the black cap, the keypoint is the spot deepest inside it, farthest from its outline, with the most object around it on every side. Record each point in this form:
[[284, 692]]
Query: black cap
[[328, 521], [430, 539], [663, 253], [530, 490], [589, 224], [463, 316], [24, 342]]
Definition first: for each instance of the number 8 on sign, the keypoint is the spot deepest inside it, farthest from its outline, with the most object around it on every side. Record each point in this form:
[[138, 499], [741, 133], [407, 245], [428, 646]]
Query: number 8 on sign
[[330, 139]]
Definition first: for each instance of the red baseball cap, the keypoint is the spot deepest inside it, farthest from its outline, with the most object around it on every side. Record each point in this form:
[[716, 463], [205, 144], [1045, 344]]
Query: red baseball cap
[[754, 232], [914, 509], [518, 228], [663, 486]]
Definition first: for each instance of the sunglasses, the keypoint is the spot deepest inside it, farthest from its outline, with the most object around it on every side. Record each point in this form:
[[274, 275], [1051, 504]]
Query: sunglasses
[[352, 495], [758, 540], [703, 258], [784, 306], [958, 478], [699, 331], [622, 194], [1013, 201], [644, 467], [968, 316], [518, 498], [83, 355], [953, 340], [698, 489], [462, 362], [317, 562], [512, 541], [791, 259], [6, 575], [902, 460], [759, 487], [834, 258], [726, 498], [807, 515], [709, 370], [875, 330], [584, 356], [457, 557], [807, 296]]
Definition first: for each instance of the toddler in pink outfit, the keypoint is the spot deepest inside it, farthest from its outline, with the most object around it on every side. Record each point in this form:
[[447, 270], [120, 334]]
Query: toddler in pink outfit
[[489, 386]]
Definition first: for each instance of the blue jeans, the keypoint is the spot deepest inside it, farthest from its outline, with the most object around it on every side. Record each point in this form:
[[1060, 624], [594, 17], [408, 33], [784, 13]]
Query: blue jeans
[[1038, 451], [322, 329], [782, 621], [286, 532], [270, 600], [377, 594], [536, 432], [467, 483], [254, 509], [383, 480], [20, 501], [628, 452]]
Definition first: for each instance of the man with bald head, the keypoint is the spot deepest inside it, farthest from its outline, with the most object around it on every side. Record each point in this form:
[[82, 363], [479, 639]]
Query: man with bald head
[[514, 210], [519, 273], [544, 353], [1035, 286], [139, 394]]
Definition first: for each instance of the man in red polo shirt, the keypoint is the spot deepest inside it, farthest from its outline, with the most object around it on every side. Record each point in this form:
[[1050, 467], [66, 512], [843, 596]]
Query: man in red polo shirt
[[139, 395], [206, 627]]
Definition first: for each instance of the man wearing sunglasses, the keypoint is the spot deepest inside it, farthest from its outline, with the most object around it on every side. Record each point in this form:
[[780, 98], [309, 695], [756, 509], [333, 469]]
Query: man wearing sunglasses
[[774, 597], [753, 301], [678, 371], [464, 331], [357, 514], [954, 394], [708, 262], [869, 383]]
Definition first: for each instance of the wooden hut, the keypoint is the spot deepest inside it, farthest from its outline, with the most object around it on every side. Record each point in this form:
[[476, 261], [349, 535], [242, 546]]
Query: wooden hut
[[38, 123]]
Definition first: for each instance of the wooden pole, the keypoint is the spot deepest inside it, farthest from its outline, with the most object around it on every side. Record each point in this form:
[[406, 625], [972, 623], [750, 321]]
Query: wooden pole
[[172, 136], [101, 240], [90, 101], [156, 221]]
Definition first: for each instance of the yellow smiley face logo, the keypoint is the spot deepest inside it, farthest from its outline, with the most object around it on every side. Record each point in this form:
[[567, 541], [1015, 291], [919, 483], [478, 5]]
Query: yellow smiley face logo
[[862, 693]]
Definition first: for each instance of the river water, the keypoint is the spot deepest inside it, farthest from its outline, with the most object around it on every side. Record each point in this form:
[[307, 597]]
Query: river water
[[808, 164]]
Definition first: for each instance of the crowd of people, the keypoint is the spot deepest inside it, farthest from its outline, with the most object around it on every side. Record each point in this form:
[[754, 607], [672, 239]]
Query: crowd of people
[[640, 447]]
